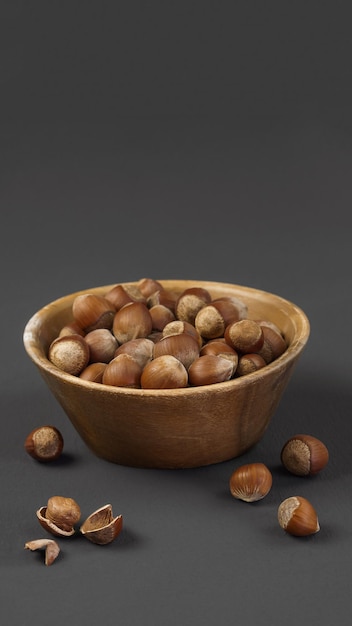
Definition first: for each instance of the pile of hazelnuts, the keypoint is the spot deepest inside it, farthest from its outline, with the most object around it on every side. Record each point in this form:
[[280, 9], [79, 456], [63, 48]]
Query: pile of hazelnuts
[[144, 336]]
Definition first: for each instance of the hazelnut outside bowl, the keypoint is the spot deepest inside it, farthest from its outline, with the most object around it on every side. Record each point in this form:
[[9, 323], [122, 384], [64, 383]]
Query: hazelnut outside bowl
[[172, 428]]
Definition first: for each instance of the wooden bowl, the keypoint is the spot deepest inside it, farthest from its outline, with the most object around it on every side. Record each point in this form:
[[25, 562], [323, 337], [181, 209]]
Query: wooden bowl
[[172, 428]]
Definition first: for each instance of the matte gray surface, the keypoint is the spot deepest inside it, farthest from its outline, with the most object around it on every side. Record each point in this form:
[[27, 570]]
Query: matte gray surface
[[178, 140]]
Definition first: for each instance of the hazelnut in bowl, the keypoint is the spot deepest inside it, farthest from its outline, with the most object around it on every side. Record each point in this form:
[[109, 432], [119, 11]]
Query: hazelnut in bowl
[[168, 373]]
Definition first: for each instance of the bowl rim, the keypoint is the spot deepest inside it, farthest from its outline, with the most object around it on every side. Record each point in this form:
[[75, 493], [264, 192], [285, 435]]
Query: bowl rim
[[36, 354]]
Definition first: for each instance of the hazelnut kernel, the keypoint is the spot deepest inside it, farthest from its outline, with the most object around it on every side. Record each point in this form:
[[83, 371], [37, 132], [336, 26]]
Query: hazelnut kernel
[[63, 512]]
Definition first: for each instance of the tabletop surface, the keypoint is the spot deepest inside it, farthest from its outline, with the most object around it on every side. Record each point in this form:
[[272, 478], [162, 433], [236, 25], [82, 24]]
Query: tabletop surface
[[202, 142]]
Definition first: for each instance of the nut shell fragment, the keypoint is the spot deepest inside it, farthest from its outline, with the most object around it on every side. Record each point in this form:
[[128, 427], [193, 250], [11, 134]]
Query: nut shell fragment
[[50, 546], [101, 527]]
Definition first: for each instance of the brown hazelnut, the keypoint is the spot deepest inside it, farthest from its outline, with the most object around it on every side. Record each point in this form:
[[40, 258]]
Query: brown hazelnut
[[164, 372], [179, 326], [69, 353], [161, 315], [91, 311], [297, 516], [141, 349], [190, 301], [118, 297], [131, 322], [249, 363], [210, 369], [148, 286], [251, 482], [164, 297], [304, 455], [93, 372], [102, 345], [123, 371], [182, 346], [274, 345], [244, 336], [44, 443]]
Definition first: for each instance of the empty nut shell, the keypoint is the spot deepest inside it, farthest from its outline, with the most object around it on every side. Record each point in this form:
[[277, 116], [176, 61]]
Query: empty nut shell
[[101, 527]]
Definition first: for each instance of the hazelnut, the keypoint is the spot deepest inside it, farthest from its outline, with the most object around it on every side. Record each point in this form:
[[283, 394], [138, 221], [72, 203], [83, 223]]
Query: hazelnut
[[118, 297], [304, 455], [190, 301], [59, 516], [69, 353], [213, 318], [249, 363], [161, 315], [50, 546], [297, 516], [164, 297], [182, 346], [91, 311], [131, 322], [148, 286], [102, 345], [178, 326], [123, 371], [93, 372], [274, 345], [251, 482], [210, 369], [44, 443], [244, 336], [221, 348], [141, 349], [242, 309], [101, 527], [71, 329], [210, 322], [164, 372]]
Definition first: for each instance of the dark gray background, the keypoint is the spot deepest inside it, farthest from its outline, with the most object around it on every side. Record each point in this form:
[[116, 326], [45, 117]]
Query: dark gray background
[[200, 140]]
